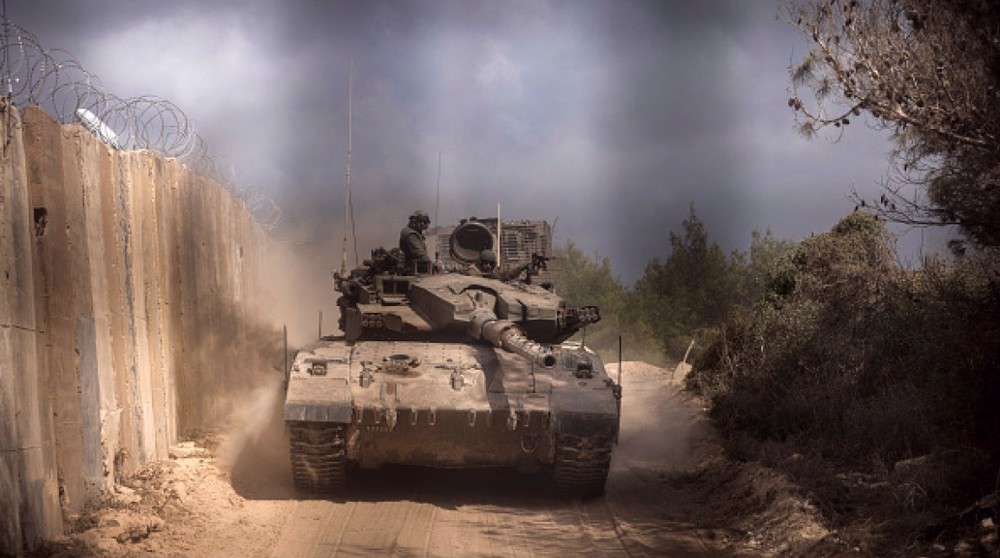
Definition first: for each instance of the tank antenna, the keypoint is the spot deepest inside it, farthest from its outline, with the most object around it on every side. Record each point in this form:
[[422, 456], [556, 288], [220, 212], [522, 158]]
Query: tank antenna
[[619, 360], [437, 205], [499, 236], [284, 333], [617, 390], [347, 184]]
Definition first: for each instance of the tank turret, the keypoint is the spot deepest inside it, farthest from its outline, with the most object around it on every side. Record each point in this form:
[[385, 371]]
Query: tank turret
[[380, 301]]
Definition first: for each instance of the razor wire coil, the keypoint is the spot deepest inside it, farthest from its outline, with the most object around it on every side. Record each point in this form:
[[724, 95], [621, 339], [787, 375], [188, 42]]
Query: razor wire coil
[[55, 81]]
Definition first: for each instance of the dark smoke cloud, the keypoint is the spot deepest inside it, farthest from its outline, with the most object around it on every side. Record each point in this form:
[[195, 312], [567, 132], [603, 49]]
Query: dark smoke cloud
[[610, 116]]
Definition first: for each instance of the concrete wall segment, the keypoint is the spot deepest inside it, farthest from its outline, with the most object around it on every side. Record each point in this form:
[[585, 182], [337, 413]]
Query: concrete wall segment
[[155, 269], [83, 226], [134, 313], [29, 493], [54, 195], [137, 282], [29, 502], [169, 316], [188, 373], [93, 169], [118, 269]]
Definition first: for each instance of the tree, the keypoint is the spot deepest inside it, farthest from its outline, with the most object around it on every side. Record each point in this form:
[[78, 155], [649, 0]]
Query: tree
[[583, 281], [768, 269], [930, 73], [695, 287]]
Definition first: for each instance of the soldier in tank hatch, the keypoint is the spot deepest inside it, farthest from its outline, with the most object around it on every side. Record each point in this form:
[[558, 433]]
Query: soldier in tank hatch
[[485, 263], [486, 266], [413, 245]]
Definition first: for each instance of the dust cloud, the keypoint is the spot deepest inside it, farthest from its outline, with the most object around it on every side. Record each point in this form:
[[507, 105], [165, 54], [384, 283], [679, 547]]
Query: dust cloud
[[660, 425], [298, 293], [298, 287], [255, 444], [299, 262]]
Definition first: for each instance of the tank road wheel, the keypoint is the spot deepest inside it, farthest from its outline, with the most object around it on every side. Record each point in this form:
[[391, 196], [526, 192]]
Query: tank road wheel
[[318, 457], [581, 465]]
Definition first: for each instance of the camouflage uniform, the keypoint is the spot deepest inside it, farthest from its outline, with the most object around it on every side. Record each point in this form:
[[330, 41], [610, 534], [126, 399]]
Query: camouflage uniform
[[411, 239], [488, 259], [508, 275]]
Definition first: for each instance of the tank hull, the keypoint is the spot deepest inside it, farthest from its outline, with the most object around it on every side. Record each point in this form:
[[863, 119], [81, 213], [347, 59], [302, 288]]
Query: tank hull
[[454, 405]]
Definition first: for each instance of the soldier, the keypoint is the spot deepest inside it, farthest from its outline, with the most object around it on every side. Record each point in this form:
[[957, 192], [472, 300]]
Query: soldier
[[486, 266], [411, 242], [486, 263]]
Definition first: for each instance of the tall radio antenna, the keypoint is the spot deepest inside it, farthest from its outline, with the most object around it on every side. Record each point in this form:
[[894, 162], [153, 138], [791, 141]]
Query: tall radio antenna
[[437, 205], [499, 237], [347, 185]]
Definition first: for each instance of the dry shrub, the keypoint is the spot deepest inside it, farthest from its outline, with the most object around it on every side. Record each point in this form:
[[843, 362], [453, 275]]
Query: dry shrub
[[861, 361]]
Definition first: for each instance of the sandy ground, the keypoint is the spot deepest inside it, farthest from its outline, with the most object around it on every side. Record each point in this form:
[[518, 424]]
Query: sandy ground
[[670, 493]]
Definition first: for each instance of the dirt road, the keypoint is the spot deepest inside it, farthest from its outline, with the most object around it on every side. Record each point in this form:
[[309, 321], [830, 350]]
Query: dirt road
[[237, 500], [487, 523], [416, 512]]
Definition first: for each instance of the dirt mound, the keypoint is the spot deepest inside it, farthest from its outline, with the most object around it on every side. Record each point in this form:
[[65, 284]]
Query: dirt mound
[[184, 506], [667, 439]]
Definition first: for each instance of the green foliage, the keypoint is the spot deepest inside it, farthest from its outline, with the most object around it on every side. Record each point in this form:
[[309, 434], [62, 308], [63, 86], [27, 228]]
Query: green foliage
[[857, 358], [671, 294], [583, 281], [696, 287], [769, 272], [698, 284], [826, 348]]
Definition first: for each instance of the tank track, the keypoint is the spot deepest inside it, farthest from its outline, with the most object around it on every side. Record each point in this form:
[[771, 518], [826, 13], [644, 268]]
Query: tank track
[[319, 457], [581, 465]]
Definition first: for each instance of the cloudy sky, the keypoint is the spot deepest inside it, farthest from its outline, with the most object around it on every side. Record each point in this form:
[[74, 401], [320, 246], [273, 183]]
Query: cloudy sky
[[612, 116]]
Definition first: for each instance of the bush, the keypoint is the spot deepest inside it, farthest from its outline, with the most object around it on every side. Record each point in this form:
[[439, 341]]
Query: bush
[[858, 359]]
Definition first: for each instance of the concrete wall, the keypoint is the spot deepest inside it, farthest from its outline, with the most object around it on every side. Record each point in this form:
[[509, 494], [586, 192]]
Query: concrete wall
[[129, 316]]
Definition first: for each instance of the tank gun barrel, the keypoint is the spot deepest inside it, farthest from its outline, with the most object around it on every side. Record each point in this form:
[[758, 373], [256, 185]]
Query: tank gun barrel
[[509, 336]]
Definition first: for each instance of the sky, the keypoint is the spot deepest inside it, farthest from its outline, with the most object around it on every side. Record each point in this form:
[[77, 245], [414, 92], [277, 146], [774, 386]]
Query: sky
[[609, 118]]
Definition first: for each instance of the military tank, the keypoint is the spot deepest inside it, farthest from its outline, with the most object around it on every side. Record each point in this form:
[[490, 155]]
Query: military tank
[[451, 370]]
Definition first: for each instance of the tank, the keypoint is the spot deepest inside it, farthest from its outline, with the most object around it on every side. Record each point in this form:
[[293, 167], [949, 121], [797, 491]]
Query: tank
[[451, 370]]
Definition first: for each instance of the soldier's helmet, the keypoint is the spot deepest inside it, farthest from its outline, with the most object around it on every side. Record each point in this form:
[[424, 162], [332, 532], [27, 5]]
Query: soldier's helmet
[[420, 216], [488, 259]]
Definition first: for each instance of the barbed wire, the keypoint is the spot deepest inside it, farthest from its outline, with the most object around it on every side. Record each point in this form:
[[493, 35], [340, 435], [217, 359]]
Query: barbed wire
[[58, 83]]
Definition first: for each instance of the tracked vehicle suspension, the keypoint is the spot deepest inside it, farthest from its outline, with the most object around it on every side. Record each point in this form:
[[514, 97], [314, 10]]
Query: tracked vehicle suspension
[[319, 457], [581, 465]]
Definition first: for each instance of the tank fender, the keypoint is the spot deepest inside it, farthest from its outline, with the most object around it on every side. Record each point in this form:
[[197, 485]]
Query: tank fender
[[319, 400], [583, 413]]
